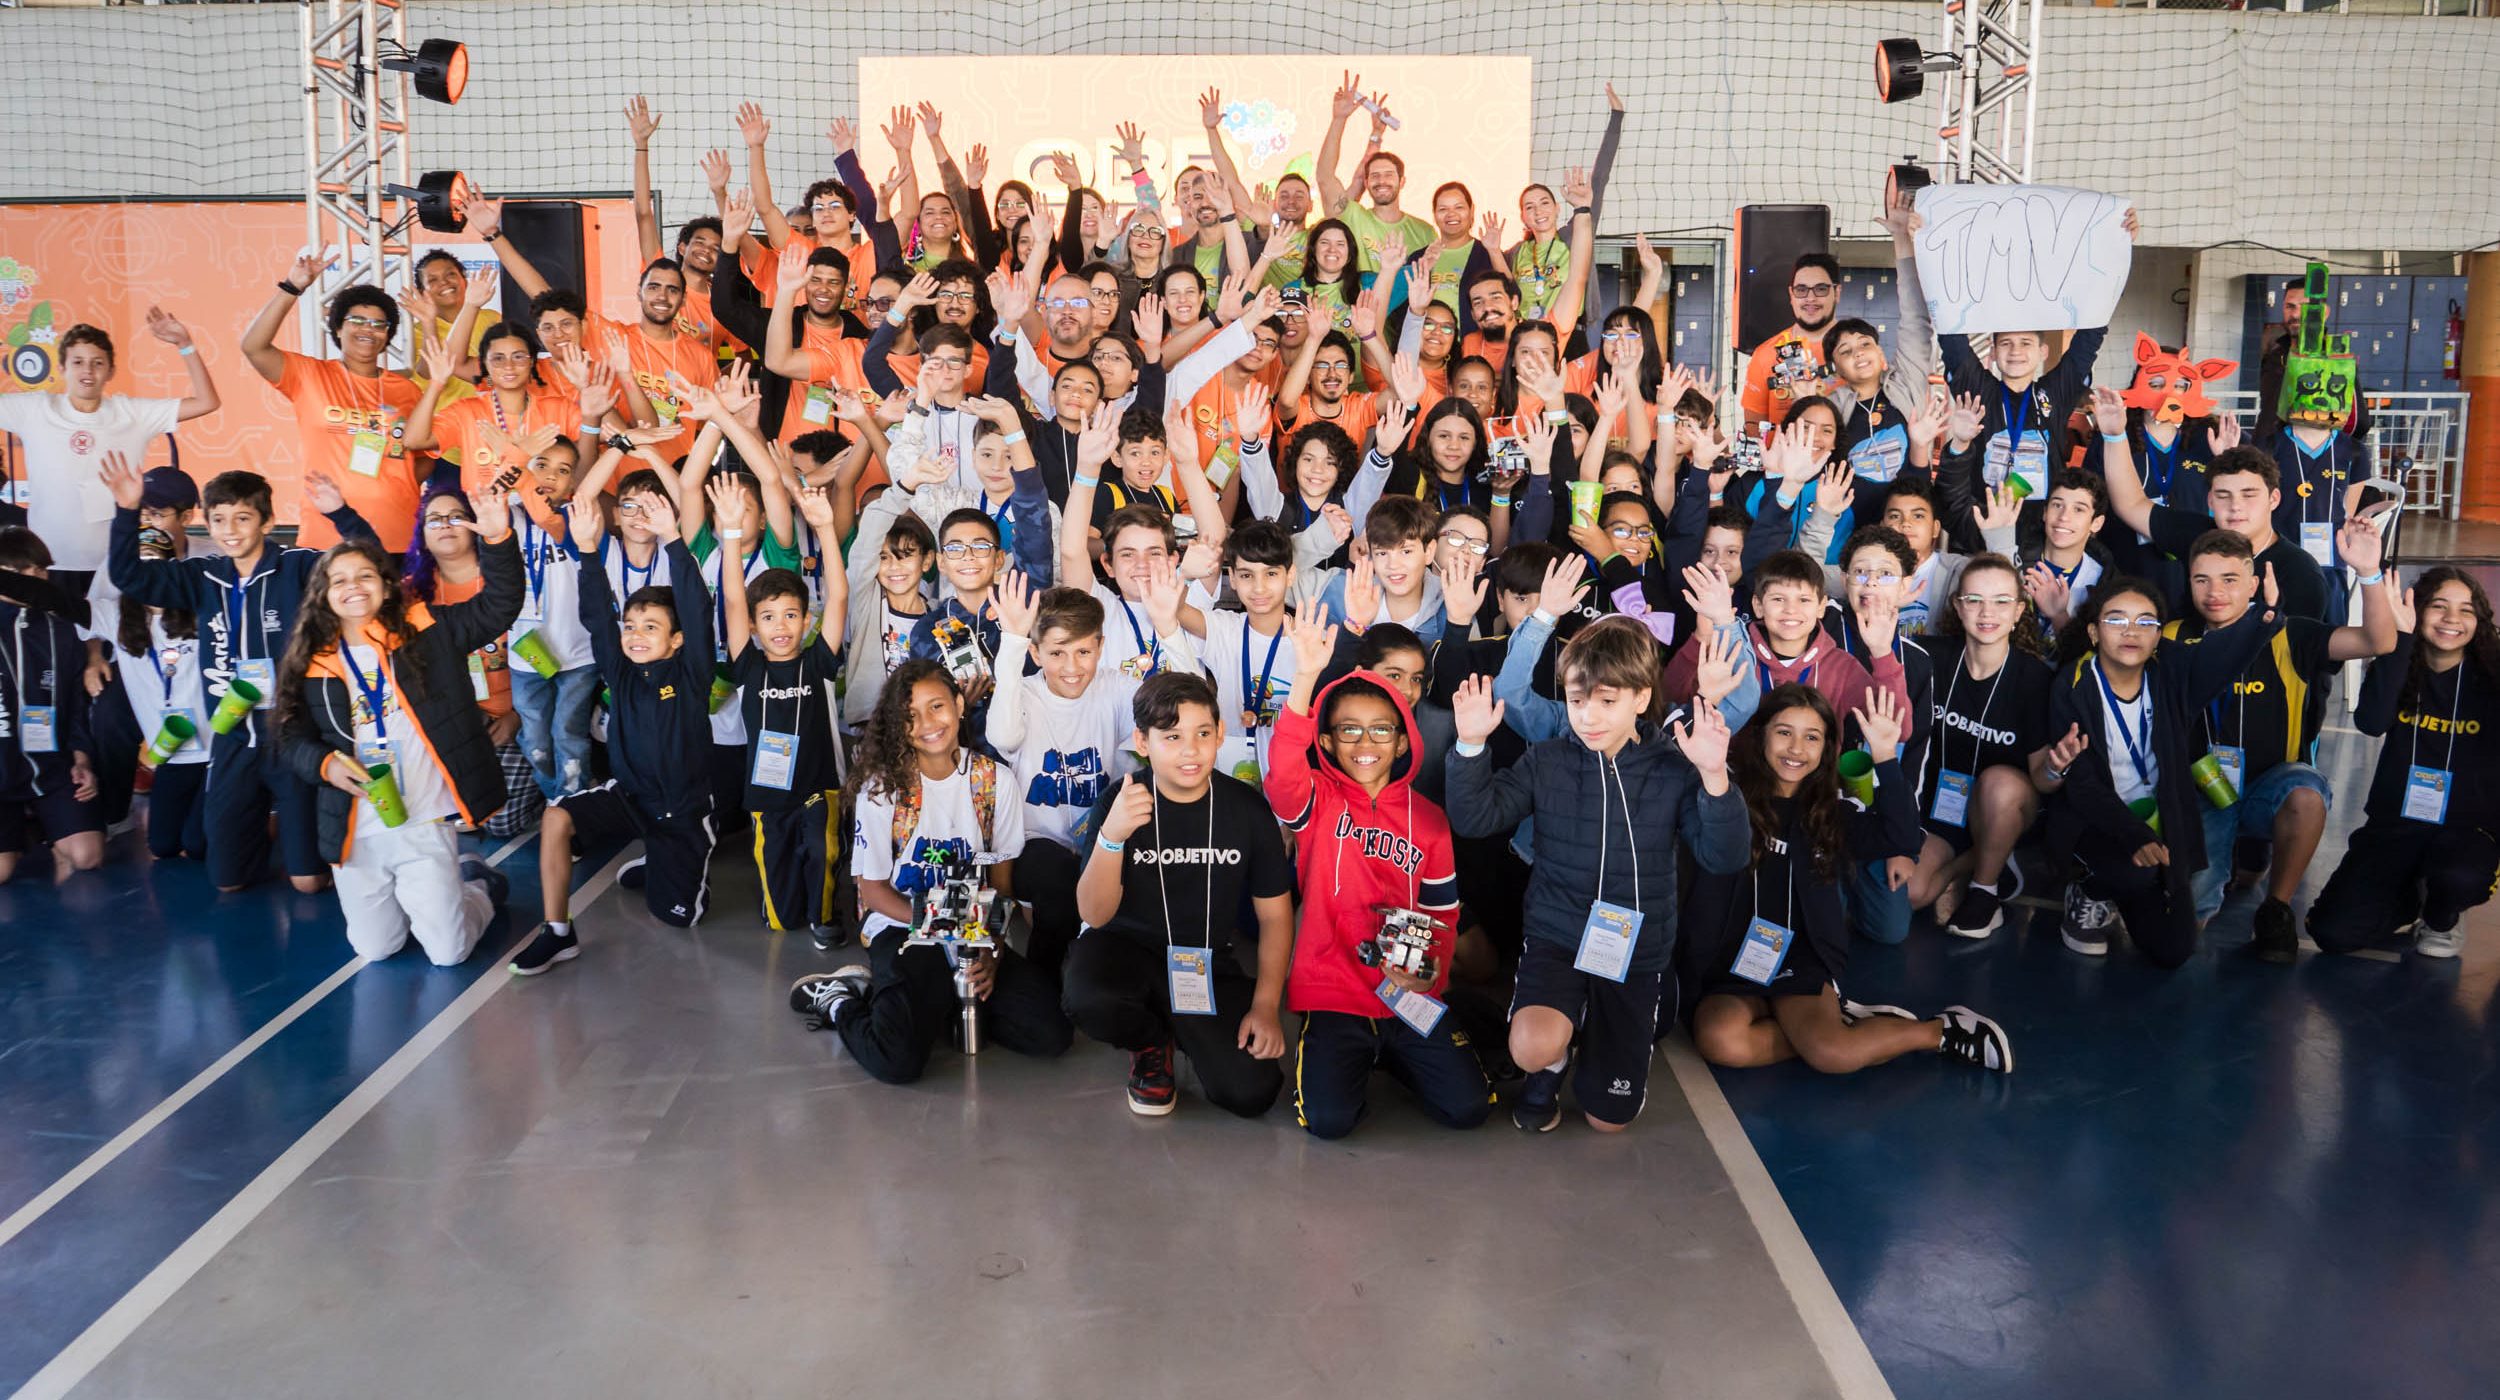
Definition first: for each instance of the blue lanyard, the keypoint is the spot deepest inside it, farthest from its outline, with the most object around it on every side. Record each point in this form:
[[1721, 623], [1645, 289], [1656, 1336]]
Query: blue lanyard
[[1005, 521], [625, 568], [2015, 423], [1250, 699], [2303, 458], [533, 562], [1146, 647], [2166, 458], [237, 603], [2118, 719], [2064, 576], [377, 692]]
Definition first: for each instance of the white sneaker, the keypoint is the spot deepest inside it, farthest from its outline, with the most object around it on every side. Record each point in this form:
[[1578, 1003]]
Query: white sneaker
[[2439, 943], [2085, 929]]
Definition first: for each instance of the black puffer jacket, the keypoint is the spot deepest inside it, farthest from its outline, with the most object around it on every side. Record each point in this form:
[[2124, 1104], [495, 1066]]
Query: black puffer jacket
[[448, 719]]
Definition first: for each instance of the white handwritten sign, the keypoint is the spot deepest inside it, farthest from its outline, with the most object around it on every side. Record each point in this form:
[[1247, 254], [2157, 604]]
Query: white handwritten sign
[[2020, 257]]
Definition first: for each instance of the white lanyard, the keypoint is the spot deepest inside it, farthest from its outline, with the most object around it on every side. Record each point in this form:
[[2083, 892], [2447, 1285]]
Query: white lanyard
[[1605, 767], [1163, 871], [1977, 745], [2456, 701], [1788, 908]]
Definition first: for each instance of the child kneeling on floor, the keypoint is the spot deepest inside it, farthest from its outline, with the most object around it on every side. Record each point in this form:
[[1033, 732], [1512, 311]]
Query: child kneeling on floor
[[374, 704], [930, 809]]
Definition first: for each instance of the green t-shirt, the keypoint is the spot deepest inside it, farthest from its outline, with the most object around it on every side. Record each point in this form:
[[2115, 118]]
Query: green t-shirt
[[776, 554], [1446, 270], [1540, 269], [1329, 312], [1371, 232], [1287, 269]]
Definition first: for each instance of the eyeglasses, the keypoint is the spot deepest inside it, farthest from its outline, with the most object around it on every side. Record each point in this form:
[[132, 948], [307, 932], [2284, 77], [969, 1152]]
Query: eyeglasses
[[2122, 623], [1631, 532], [1357, 733], [1614, 336], [1459, 539], [954, 296], [1116, 357], [1992, 600], [945, 362], [1293, 313], [1068, 303], [1813, 289], [1875, 580], [978, 549], [444, 522], [364, 323], [881, 303]]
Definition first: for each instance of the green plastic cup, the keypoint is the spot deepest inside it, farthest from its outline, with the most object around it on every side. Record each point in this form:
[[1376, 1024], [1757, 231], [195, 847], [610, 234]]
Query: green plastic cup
[[2213, 782], [2020, 485], [240, 699], [722, 689], [1585, 498], [1857, 776], [382, 790], [2147, 811], [176, 731], [532, 648]]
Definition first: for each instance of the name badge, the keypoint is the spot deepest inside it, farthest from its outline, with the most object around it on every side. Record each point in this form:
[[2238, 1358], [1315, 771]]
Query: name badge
[[262, 673], [373, 753], [1238, 754], [1420, 1013], [776, 758], [39, 734], [1952, 798], [2234, 765], [1880, 458], [533, 607], [2318, 542], [2026, 463], [2426, 795], [819, 409], [1606, 941], [1765, 948], [665, 407], [477, 676], [364, 456], [1192, 974]]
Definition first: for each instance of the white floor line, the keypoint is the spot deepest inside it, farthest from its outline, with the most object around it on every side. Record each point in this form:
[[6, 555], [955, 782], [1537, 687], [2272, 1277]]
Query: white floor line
[[1852, 1366], [121, 1142], [135, 1307]]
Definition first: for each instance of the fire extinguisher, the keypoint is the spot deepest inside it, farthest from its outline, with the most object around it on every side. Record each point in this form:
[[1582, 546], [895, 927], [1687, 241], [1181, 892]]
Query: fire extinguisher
[[2456, 340]]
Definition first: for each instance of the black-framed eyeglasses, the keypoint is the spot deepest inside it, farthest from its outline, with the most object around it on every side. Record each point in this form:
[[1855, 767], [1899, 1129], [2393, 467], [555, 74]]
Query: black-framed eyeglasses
[[945, 362], [1814, 289], [1632, 532], [1384, 733], [955, 296]]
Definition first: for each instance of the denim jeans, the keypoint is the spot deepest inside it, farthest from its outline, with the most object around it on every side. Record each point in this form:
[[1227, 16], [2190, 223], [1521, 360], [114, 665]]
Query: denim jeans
[[1877, 912], [555, 725], [2252, 815]]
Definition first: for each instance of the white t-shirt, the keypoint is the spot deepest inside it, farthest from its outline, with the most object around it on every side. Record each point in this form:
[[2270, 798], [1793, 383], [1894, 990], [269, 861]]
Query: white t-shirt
[[949, 822], [1071, 750], [423, 787], [2137, 716], [67, 503], [1128, 635], [165, 679], [1251, 672]]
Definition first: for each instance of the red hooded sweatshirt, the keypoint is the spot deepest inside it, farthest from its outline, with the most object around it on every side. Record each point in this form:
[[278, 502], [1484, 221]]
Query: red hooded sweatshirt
[[1355, 852]]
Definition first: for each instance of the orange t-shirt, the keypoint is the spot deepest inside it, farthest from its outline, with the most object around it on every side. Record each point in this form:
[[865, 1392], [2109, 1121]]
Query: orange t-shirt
[[1580, 377], [1219, 441], [332, 409], [696, 318], [456, 427], [1495, 352], [1762, 399], [907, 369], [653, 359], [833, 361], [1356, 413], [490, 668], [761, 264]]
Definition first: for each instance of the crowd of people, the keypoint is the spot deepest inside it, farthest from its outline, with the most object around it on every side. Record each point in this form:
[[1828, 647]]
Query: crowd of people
[[1513, 697]]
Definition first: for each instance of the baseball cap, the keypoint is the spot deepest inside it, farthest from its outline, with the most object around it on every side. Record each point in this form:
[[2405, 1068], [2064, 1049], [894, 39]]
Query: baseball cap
[[168, 488]]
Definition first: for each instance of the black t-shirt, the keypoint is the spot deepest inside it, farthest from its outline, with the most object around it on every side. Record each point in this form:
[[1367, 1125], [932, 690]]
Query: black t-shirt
[[1115, 493], [788, 697], [1197, 860], [2275, 707], [2296, 575], [1978, 724]]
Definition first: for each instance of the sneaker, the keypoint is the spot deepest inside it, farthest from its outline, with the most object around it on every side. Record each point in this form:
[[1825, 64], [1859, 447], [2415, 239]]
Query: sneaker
[[1538, 1109], [818, 995], [1853, 1012], [498, 885], [630, 876], [2085, 929], [2439, 942], [1981, 912], [1974, 1039], [1151, 1091], [2010, 881], [546, 950], [2277, 937], [832, 934]]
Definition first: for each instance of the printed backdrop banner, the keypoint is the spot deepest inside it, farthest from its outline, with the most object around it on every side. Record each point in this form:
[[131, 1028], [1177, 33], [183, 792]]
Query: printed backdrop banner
[[2021, 257]]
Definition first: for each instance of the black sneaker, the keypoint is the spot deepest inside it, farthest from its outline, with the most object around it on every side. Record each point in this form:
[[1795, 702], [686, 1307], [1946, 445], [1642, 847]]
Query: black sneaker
[[498, 885], [1538, 1109], [546, 950], [1974, 1039], [831, 934], [1981, 912], [2010, 881], [2277, 937], [1151, 1090], [631, 875], [2085, 929], [818, 995]]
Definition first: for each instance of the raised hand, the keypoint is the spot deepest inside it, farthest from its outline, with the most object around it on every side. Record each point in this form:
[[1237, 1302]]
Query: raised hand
[[1563, 587], [321, 491], [1790, 457], [790, 270], [1711, 596], [306, 270], [1704, 741], [1962, 425], [1474, 713], [2400, 604], [1836, 489], [1720, 666], [1406, 380], [2000, 510], [1339, 521], [729, 505], [2049, 593], [976, 165], [1653, 267], [714, 164], [1100, 436], [2272, 591], [1927, 423], [1132, 144], [1539, 432], [1390, 433], [1463, 582], [2109, 411], [1877, 626], [1880, 719], [1163, 588], [2360, 544], [898, 132], [1348, 97], [2067, 749], [493, 510], [933, 121], [1017, 605], [124, 481], [1063, 169], [2226, 434], [752, 128], [1314, 637], [1577, 191], [641, 120], [1250, 412], [164, 327], [1489, 232], [441, 360], [844, 134], [1008, 298], [1362, 594]]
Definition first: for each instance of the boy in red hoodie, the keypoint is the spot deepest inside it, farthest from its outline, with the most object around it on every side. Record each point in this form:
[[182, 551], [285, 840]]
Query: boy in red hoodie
[[1366, 845]]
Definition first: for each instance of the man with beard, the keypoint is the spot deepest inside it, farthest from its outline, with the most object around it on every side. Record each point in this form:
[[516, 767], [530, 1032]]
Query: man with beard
[[698, 242], [1383, 176], [1789, 366], [1212, 239], [1317, 389], [1283, 217], [951, 292]]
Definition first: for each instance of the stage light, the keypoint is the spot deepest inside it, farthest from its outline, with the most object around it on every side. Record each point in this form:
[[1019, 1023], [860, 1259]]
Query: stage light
[[440, 67], [438, 195], [1905, 181], [1901, 68]]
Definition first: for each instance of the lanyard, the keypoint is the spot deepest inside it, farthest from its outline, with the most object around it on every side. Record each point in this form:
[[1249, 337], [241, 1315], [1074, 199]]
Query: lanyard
[[2302, 457], [54, 693], [1977, 745], [2064, 576], [1147, 646], [377, 692], [2118, 719], [625, 569], [1605, 822], [1250, 699], [503, 425], [2015, 423], [1163, 870], [2456, 702], [533, 562], [236, 605], [2166, 458]]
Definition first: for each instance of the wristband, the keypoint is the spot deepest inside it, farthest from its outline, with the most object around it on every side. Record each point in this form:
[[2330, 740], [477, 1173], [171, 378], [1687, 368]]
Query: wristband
[[1085, 481], [896, 318], [188, 350], [1114, 847], [619, 441], [289, 288], [1558, 416], [1228, 218], [918, 408], [2373, 580], [733, 534], [1541, 615], [2054, 775], [590, 430], [1140, 178], [1004, 335], [1502, 501], [2113, 437], [1465, 749], [1011, 439]]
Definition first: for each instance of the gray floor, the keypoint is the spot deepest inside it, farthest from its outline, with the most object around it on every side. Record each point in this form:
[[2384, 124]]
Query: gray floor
[[640, 1177]]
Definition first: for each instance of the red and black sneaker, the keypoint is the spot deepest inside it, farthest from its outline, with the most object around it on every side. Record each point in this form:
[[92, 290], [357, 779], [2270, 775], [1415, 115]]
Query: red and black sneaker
[[1151, 1092]]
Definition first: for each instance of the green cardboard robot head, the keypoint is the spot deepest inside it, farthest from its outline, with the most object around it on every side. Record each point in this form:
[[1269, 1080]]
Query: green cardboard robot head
[[2318, 371]]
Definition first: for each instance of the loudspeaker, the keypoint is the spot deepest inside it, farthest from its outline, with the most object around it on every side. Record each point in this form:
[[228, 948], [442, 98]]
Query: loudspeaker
[[1769, 240], [548, 232]]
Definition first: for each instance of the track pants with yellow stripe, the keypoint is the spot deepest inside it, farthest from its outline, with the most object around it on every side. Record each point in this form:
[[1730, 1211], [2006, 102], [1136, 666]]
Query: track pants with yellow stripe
[[795, 849], [1337, 1053]]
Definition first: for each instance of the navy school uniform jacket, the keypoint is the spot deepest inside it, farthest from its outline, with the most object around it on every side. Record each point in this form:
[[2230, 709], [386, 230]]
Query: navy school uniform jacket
[[240, 618], [1652, 803], [42, 663], [1721, 906], [660, 715], [2043, 408]]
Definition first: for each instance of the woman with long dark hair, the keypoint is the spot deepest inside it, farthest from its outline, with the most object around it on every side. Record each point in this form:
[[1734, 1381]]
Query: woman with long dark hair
[[444, 565], [374, 707], [2428, 847], [512, 398], [1770, 943]]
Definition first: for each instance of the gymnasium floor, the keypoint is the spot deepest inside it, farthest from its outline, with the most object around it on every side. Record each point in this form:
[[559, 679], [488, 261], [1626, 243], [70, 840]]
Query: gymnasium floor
[[235, 1163]]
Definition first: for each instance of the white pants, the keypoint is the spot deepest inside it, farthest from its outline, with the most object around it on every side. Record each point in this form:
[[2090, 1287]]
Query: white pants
[[403, 881]]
